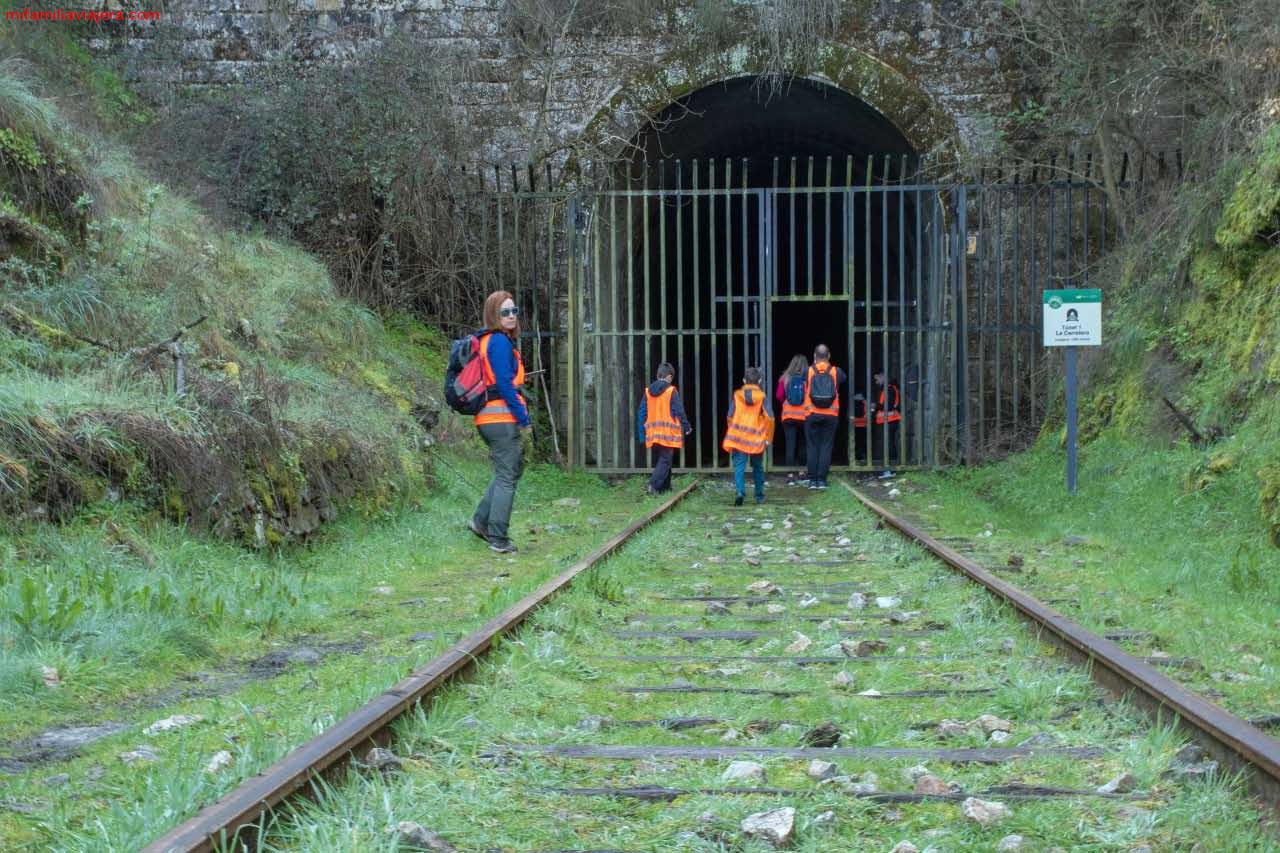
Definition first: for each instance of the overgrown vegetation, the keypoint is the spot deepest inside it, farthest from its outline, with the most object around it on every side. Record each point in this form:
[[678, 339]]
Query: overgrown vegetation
[[567, 679], [1136, 77], [149, 356], [118, 616]]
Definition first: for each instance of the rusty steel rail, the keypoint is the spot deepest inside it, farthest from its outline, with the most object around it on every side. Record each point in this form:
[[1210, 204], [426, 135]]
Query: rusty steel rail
[[1234, 742], [254, 798]]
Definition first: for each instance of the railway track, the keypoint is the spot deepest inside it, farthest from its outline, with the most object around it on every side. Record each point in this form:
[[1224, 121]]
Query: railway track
[[735, 674]]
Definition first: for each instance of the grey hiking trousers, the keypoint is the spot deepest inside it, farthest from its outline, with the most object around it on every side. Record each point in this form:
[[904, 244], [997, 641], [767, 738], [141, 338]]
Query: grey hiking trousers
[[494, 510]]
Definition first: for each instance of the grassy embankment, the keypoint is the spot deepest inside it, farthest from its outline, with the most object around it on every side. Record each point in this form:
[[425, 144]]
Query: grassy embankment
[[1179, 537], [257, 549]]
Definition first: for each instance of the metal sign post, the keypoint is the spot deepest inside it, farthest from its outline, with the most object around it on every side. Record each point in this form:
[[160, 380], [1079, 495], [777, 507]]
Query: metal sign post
[[1072, 318]]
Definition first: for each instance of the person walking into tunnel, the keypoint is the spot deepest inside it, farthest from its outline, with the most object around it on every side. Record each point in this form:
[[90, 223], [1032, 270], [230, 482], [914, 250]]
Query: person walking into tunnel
[[503, 423], [888, 417], [790, 396], [662, 425], [822, 414], [749, 430]]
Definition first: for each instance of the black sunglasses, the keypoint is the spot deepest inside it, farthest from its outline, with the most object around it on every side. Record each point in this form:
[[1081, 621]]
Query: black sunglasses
[[510, 312]]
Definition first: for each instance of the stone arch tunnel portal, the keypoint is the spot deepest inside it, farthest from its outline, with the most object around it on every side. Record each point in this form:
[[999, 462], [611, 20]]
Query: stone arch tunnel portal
[[748, 226]]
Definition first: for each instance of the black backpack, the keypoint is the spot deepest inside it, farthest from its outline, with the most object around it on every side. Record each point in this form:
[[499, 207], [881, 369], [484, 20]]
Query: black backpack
[[822, 390], [795, 390], [464, 387]]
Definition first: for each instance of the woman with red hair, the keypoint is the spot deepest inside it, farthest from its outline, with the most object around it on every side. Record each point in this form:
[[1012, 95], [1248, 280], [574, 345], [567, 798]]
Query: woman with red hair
[[502, 420]]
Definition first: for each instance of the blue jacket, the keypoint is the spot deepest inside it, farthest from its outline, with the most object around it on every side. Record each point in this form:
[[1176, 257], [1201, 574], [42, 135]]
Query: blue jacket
[[502, 359], [677, 408]]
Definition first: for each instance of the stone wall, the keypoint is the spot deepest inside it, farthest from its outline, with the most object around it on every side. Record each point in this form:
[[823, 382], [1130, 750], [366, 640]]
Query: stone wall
[[926, 65]]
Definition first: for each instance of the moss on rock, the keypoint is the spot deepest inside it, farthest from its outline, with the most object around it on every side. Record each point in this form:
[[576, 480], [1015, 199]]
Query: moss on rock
[[1254, 207]]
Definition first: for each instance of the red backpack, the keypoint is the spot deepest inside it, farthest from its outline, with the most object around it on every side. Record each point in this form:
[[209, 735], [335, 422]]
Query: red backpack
[[464, 387]]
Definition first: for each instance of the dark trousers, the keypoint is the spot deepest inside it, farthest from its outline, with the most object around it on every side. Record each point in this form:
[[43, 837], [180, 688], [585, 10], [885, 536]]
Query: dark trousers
[[819, 439], [884, 442], [793, 431], [660, 479], [494, 510]]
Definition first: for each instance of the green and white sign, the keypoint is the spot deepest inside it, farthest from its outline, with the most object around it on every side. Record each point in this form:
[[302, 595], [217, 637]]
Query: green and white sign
[[1072, 318]]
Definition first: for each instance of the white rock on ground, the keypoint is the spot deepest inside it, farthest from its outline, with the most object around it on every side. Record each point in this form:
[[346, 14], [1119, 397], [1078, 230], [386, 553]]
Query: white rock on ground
[[774, 609], [984, 812], [774, 826], [887, 602], [911, 774], [842, 679], [931, 785], [819, 770], [415, 836], [220, 761], [808, 601], [744, 771], [1011, 842], [800, 643], [857, 601], [168, 724], [383, 759], [1122, 784], [763, 587], [905, 847], [998, 738], [991, 723], [827, 818], [141, 754]]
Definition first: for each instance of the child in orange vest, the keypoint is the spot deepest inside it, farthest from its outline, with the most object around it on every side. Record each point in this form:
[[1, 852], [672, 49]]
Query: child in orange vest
[[662, 425], [748, 433]]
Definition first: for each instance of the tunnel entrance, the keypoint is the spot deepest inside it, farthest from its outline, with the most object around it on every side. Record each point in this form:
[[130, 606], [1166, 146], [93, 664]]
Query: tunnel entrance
[[748, 228], [797, 328]]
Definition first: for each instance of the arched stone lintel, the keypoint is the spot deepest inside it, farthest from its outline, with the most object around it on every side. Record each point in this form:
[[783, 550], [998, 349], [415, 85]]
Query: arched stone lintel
[[640, 99]]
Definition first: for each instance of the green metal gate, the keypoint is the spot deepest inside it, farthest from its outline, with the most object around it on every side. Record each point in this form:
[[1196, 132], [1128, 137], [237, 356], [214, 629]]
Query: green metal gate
[[701, 275], [719, 264]]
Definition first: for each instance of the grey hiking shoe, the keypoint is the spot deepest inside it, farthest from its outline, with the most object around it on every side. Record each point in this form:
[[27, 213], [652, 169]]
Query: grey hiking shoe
[[502, 546]]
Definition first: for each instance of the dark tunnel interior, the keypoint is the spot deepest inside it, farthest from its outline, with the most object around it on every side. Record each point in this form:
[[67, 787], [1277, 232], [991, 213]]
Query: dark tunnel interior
[[729, 279]]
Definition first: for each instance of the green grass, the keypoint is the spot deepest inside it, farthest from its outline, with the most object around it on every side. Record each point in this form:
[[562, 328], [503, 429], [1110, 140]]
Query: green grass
[[1194, 567], [136, 646], [540, 686]]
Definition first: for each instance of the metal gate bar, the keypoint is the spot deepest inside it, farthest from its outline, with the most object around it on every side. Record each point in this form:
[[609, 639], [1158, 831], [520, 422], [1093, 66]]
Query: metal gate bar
[[952, 312]]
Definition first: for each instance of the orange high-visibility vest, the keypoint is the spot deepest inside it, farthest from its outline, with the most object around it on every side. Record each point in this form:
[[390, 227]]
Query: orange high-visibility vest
[[790, 412], [890, 415], [660, 426], [496, 411], [750, 427], [859, 413], [809, 407]]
